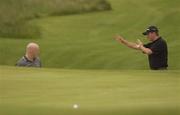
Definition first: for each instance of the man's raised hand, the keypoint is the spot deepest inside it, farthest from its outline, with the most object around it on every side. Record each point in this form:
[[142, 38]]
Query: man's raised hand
[[139, 42], [119, 38]]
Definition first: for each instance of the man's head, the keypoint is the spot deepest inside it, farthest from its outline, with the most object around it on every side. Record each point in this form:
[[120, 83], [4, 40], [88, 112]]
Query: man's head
[[32, 50], [152, 33]]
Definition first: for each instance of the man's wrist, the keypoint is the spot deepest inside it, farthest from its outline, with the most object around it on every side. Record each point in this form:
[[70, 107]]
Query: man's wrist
[[138, 46], [141, 47]]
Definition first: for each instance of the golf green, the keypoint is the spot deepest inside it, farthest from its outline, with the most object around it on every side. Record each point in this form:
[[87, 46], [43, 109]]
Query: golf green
[[27, 91]]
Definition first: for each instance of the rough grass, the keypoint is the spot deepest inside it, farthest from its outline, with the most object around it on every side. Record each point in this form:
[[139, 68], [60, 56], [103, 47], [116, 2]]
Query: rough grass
[[85, 41], [14, 14], [50, 91]]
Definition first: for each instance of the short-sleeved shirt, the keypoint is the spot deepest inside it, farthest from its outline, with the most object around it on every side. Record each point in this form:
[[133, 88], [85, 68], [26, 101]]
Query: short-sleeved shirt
[[159, 58], [24, 62]]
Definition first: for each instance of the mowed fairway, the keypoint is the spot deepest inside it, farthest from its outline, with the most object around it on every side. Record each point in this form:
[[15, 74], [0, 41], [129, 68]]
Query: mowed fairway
[[26, 91]]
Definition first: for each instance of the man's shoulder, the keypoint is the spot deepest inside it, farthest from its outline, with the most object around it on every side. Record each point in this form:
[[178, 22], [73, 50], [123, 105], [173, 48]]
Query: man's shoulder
[[37, 62], [21, 61], [160, 44], [38, 59], [161, 41]]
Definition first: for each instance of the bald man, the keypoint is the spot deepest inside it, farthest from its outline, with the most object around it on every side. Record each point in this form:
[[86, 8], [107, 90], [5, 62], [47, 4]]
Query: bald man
[[31, 58]]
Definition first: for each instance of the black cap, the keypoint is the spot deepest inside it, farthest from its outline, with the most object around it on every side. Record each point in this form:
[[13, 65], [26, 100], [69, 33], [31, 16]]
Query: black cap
[[151, 29]]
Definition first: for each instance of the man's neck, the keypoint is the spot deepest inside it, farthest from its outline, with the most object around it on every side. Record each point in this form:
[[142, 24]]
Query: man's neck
[[29, 57], [156, 38]]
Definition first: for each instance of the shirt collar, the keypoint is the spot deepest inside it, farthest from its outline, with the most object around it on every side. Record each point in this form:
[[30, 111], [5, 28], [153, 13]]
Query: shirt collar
[[157, 39], [28, 59]]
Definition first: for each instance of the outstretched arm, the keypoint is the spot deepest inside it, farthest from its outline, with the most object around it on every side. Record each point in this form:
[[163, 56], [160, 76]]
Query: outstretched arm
[[132, 45], [138, 46]]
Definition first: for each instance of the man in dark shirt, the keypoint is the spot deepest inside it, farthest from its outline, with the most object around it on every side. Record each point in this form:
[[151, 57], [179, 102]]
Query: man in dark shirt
[[31, 58], [156, 50]]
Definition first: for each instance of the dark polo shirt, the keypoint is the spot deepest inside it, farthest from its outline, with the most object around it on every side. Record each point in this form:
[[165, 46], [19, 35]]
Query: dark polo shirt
[[159, 58]]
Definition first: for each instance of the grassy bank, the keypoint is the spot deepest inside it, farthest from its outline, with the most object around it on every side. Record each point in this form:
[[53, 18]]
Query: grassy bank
[[86, 41], [14, 14]]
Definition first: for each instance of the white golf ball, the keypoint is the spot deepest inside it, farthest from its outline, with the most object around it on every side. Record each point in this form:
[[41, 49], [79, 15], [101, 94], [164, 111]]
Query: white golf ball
[[75, 106]]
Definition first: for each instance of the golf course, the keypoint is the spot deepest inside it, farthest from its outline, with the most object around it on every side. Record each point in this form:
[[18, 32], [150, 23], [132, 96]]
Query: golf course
[[85, 41], [85, 71], [96, 92]]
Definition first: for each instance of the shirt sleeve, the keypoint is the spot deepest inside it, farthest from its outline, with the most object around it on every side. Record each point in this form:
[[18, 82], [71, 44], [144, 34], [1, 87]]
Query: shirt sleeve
[[21, 62], [147, 45]]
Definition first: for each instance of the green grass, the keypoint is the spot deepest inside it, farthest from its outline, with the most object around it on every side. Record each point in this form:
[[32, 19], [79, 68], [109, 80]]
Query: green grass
[[15, 14], [85, 41], [25, 91]]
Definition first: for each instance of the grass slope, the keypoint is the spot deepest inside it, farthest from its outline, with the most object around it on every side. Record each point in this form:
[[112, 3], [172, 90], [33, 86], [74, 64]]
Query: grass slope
[[15, 22], [26, 91], [85, 41]]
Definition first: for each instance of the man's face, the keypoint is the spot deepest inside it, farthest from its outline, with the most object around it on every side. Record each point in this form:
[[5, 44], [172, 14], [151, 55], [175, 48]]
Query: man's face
[[36, 52], [151, 36], [33, 51]]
